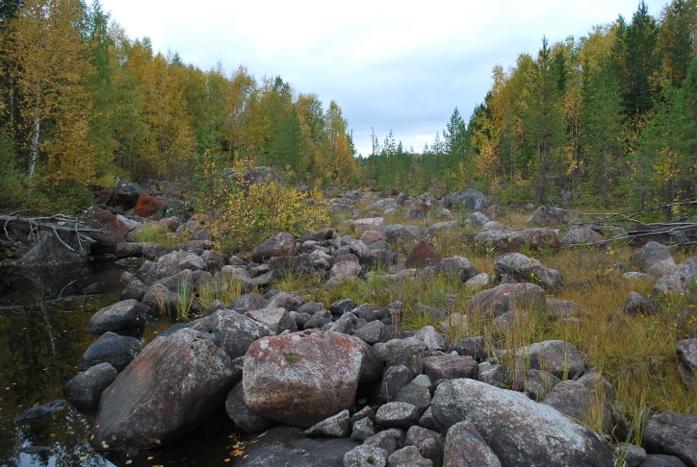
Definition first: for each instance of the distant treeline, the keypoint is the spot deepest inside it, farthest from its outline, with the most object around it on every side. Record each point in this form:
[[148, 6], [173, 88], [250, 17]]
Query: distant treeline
[[610, 117], [82, 103]]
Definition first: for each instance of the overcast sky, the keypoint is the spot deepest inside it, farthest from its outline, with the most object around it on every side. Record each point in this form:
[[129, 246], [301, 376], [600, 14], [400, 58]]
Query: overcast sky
[[390, 65]]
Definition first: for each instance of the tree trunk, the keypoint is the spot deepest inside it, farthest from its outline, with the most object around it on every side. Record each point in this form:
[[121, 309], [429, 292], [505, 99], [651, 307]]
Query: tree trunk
[[35, 137]]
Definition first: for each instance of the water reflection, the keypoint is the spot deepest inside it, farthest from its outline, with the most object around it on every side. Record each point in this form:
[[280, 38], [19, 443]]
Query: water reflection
[[41, 341]]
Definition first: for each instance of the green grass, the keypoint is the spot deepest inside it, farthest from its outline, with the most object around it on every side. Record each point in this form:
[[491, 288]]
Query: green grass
[[223, 287], [155, 233], [635, 353]]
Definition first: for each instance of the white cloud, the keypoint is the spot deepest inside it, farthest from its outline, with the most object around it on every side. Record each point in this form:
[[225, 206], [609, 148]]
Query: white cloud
[[400, 65]]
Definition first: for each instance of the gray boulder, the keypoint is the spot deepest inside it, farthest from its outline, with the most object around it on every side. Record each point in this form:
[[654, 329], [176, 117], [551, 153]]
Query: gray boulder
[[582, 235], [85, 389], [281, 244], [465, 447], [173, 385], [636, 304], [111, 348], [336, 426], [238, 411], [408, 456], [277, 319], [458, 266], [653, 258], [680, 279], [506, 297], [365, 456], [231, 331], [516, 267], [546, 216], [449, 367], [519, 430], [397, 415], [671, 433], [558, 357], [126, 317], [428, 442], [687, 355], [409, 352]]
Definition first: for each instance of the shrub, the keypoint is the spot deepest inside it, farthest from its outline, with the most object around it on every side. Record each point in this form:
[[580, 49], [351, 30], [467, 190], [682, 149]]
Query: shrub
[[249, 217]]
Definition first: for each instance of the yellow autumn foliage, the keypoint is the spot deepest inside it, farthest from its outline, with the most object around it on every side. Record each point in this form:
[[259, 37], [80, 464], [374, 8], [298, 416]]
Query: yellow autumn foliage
[[244, 218]]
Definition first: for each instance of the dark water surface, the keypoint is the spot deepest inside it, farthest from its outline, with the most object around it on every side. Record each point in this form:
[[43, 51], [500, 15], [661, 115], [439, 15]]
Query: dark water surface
[[41, 341]]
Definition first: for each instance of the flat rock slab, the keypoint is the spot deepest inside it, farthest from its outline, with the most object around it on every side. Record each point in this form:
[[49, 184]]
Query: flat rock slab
[[288, 447]]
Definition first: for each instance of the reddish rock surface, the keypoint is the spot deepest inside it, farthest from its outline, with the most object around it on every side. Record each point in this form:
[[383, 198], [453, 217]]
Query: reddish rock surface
[[304, 377], [147, 205], [423, 254]]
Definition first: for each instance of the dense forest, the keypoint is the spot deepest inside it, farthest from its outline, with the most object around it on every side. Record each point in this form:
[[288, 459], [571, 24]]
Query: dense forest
[[82, 103], [610, 116]]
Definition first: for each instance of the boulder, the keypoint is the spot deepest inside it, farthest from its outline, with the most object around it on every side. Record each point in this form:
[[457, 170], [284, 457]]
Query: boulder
[[345, 268], [173, 385], [556, 356], [671, 433], [281, 244], [238, 411], [111, 348], [432, 339], [465, 447], [577, 400], [416, 393], [538, 383], [85, 389], [394, 378], [653, 258], [231, 331], [506, 297], [501, 239], [582, 235], [449, 367], [687, 355], [388, 439], [397, 415], [409, 352], [408, 456], [637, 304], [365, 456], [304, 377], [679, 280], [147, 205], [477, 282], [516, 267], [422, 255], [476, 219], [336, 426], [403, 233], [470, 198], [277, 319], [126, 317], [457, 266], [545, 216], [362, 429], [428, 442], [519, 430]]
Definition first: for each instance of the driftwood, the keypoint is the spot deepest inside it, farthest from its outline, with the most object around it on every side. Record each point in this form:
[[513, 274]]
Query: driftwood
[[56, 224], [634, 229]]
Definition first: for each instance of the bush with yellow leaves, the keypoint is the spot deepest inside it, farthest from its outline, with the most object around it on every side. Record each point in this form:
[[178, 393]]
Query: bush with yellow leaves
[[245, 218]]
